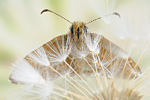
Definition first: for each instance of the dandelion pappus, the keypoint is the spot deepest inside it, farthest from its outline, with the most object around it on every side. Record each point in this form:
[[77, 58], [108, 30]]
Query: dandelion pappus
[[79, 52]]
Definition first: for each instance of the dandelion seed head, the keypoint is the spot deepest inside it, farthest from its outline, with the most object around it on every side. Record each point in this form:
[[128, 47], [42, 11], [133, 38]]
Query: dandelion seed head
[[83, 57], [95, 61], [137, 74], [97, 74], [67, 74], [89, 68], [89, 83]]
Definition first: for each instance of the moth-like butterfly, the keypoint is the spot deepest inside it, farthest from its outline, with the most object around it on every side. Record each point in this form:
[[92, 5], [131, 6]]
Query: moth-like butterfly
[[79, 52]]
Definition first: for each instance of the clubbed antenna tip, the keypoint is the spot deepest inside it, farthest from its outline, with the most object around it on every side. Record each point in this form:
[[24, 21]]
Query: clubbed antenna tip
[[45, 10], [115, 13]]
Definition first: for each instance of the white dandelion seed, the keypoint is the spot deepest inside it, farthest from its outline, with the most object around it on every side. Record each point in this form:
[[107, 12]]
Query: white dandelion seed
[[80, 53], [24, 73], [59, 50], [92, 42], [40, 91], [38, 56]]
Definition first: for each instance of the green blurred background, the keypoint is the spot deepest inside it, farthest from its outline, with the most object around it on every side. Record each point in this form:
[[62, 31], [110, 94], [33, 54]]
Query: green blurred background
[[22, 26]]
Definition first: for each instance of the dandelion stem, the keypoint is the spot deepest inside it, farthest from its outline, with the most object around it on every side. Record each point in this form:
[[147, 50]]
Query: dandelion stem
[[138, 83], [138, 77], [62, 95], [124, 67], [95, 76], [68, 80], [82, 86], [79, 76], [139, 60], [54, 98], [105, 77], [72, 93]]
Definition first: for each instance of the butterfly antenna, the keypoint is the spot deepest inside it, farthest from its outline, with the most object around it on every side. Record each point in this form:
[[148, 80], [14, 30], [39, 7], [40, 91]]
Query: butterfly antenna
[[115, 13], [47, 10]]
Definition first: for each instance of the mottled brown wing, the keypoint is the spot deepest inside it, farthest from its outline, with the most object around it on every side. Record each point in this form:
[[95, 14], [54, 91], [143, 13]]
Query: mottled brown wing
[[116, 60], [50, 55], [58, 58]]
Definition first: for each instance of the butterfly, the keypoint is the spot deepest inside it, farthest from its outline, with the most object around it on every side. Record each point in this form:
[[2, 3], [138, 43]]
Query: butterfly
[[79, 52]]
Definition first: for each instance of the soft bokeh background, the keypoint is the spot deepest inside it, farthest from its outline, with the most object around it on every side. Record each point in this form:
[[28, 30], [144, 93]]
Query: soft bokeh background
[[22, 26]]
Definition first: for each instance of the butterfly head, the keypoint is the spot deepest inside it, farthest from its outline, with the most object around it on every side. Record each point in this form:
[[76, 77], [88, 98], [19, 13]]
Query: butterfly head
[[78, 30]]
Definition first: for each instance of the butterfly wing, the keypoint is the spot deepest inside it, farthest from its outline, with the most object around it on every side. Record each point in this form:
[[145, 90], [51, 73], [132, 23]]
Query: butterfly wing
[[47, 60], [115, 59]]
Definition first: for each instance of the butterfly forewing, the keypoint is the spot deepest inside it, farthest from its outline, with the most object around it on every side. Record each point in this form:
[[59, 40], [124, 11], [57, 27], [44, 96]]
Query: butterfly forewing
[[48, 59], [116, 59]]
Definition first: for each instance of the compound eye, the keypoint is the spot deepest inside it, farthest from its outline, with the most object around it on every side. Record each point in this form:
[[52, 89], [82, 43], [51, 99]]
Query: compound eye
[[78, 30], [71, 29]]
